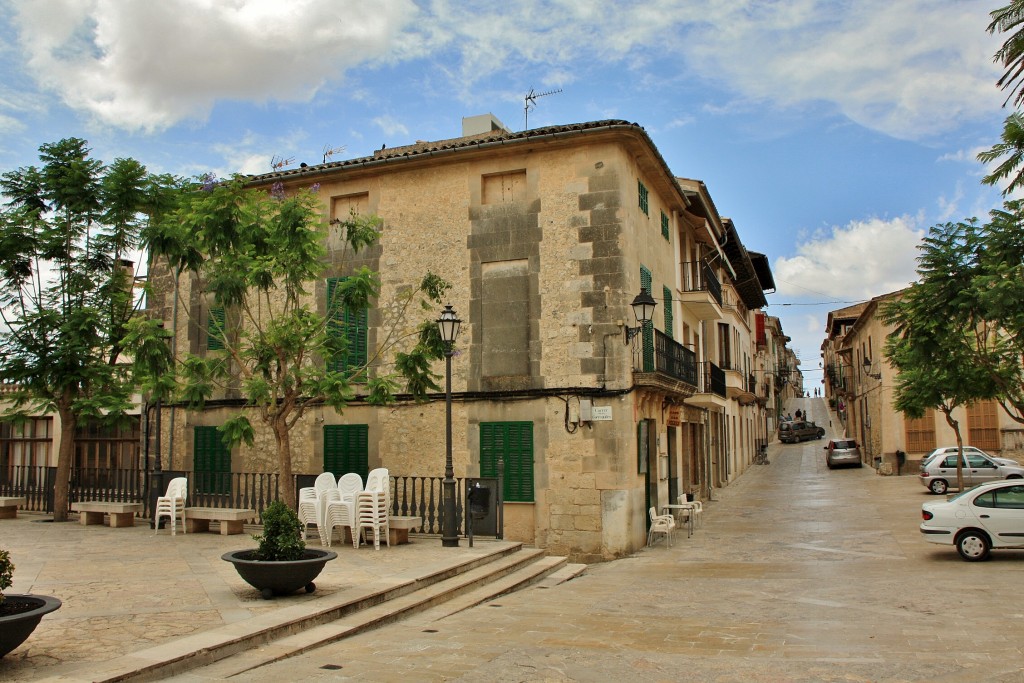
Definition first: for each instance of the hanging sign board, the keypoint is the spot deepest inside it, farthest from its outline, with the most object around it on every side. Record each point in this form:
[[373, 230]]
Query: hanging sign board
[[675, 417]]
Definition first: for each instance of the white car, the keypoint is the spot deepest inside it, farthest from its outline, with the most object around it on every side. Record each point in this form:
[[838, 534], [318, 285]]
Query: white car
[[946, 450], [988, 516]]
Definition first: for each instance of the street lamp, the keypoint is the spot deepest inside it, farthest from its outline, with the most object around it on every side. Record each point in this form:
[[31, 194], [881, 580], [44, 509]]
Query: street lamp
[[448, 324], [867, 369], [643, 308]]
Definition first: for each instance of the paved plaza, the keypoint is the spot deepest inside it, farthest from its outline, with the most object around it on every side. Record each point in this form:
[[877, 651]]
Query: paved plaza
[[797, 574]]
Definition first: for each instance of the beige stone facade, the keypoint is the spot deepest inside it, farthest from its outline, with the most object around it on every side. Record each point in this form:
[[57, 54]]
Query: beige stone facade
[[546, 237]]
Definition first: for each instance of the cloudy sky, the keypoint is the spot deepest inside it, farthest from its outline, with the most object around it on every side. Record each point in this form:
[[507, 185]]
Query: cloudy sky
[[833, 133]]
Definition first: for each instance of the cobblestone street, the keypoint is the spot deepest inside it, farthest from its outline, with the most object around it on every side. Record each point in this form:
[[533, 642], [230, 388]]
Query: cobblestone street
[[798, 574]]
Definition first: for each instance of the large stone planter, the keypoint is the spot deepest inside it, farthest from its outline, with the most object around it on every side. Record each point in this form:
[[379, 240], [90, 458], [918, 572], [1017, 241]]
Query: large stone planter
[[28, 610], [280, 577]]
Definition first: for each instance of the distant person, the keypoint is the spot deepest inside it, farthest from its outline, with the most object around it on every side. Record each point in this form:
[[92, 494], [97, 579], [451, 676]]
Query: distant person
[[799, 414]]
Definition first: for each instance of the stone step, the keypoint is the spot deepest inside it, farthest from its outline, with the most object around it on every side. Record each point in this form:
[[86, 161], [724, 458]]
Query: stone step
[[455, 593]]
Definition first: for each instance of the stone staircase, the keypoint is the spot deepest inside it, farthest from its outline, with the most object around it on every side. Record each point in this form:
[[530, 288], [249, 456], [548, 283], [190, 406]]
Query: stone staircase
[[429, 594]]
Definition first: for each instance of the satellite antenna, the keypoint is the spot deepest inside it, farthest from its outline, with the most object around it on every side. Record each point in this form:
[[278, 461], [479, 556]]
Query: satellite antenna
[[277, 163], [330, 151], [530, 102]]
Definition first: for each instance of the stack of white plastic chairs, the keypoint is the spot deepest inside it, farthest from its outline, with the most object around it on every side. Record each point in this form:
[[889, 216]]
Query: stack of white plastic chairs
[[307, 508], [342, 512], [313, 504], [172, 504], [372, 508]]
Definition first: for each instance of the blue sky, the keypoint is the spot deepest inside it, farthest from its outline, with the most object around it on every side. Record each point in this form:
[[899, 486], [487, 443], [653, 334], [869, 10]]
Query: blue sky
[[834, 133]]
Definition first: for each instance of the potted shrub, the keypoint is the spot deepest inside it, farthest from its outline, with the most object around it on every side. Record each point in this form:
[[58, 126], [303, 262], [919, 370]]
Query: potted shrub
[[281, 563], [19, 614]]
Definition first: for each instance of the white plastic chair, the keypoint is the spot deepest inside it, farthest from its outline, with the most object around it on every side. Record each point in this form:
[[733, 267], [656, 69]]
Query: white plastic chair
[[172, 504], [324, 484], [342, 513], [372, 515], [660, 524], [694, 508], [307, 508], [349, 486]]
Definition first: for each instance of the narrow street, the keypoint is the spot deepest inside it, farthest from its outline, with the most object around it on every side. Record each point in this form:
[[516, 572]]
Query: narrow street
[[798, 574]]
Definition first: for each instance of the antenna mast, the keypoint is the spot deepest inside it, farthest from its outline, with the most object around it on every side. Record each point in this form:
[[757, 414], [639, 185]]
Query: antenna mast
[[530, 102]]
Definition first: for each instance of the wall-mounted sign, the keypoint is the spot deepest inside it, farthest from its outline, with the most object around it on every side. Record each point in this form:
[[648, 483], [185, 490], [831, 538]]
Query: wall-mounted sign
[[675, 416], [599, 413]]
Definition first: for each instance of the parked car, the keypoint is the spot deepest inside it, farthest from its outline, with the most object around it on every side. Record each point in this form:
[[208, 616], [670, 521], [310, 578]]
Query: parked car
[[988, 516], [798, 430], [842, 452], [938, 475], [946, 450]]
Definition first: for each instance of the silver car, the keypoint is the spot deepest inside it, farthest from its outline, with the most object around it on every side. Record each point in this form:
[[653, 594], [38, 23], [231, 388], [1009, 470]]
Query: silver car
[[938, 475], [842, 452], [947, 450]]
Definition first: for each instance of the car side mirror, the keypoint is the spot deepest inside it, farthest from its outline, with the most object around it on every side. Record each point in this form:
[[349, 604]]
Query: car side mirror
[[824, 448]]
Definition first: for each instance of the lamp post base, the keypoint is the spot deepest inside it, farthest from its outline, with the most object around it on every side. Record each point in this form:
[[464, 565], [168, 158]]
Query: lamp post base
[[449, 516]]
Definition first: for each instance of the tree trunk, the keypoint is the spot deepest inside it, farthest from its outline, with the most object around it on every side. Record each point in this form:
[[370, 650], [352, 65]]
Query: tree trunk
[[65, 458], [948, 412], [286, 483]]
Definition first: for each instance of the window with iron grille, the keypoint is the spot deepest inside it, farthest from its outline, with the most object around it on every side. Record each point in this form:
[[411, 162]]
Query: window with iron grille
[[211, 461], [351, 325], [642, 193], [511, 442], [664, 225], [346, 449]]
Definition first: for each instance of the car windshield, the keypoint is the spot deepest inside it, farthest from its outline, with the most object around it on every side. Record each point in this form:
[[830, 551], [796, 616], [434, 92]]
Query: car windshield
[[845, 444]]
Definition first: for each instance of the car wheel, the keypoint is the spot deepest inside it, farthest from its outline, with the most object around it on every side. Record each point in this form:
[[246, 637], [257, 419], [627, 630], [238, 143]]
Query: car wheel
[[973, 546], [938, 486]]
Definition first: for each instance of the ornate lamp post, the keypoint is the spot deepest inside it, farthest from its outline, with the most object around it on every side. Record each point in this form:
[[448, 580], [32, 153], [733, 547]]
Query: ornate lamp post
[[643, 308], [448, 324]]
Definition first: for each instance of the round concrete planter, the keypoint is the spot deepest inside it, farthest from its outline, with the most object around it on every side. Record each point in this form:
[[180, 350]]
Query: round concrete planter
[[16, 628], [280, 577]]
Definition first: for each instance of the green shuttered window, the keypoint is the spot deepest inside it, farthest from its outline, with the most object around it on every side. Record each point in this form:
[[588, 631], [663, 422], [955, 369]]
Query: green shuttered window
[[352, 325], [346, 449], [215, 329], [666, 294], [648, 331], [664, 225], [642, 194], [512, 442], [212, 460]]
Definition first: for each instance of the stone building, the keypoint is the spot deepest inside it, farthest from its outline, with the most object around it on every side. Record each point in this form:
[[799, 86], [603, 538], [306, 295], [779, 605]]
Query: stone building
[[860, 384], [547, 236]]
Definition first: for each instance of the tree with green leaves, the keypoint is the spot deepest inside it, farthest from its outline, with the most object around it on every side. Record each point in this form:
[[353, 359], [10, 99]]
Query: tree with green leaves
[[69, 232], [958, 332], [257, 256], [1009, 19]]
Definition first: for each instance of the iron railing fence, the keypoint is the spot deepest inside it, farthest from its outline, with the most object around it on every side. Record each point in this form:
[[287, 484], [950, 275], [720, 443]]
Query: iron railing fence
[[414, 496]]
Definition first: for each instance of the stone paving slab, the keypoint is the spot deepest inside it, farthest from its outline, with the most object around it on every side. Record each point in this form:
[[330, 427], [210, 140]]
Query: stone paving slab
[[131, 590]]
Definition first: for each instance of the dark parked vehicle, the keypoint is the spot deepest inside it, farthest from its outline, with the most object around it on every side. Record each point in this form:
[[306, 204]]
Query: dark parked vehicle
[[797, 430]]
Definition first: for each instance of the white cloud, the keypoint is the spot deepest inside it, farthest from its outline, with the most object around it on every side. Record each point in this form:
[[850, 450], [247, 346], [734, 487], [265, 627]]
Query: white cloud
[[911, 69], [149, 65], [861, 260], [390, 125]]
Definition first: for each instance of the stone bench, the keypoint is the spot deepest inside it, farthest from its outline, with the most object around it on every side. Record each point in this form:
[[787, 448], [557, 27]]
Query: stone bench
[[91, 512], [231, 519], [398, 528], [9, 506]]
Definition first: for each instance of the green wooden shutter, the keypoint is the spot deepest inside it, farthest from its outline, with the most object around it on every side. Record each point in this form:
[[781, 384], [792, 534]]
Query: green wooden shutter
[[215, 329], [664, 225], [513, 442], [346, 449], [641, 191], [648, 331], [353, 326], [669, 321], [211, 461]]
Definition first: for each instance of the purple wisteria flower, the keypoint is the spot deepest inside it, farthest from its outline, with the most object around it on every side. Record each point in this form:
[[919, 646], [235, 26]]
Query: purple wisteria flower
[[315, 187], [209, 181], [277, 190]]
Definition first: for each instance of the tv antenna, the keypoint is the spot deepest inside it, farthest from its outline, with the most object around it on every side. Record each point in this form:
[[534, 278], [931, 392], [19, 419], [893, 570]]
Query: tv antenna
[[530, 102], [330, 151], [277, 163]]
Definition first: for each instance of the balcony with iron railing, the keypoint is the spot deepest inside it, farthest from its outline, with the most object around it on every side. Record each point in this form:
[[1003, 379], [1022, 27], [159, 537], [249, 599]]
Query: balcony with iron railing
[[711, 391], [702, 291], [661, 362]]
